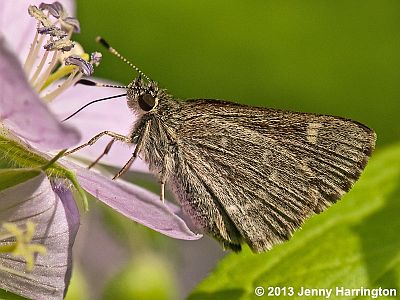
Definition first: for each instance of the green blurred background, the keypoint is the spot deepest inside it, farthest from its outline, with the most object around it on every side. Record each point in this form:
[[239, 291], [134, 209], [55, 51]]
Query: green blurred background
[[331, 57]]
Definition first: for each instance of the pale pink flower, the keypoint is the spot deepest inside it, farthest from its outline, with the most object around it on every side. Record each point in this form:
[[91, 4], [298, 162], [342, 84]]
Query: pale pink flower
[[30, 127]]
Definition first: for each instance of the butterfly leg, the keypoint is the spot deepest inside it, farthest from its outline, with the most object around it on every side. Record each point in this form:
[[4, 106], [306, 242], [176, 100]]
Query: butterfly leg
[[115, 136], [105, 152], [166, 171], [142, 139], [163, 179], [162, 192]]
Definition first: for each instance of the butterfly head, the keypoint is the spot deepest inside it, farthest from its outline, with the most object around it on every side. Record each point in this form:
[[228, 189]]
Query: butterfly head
[[143, 97]]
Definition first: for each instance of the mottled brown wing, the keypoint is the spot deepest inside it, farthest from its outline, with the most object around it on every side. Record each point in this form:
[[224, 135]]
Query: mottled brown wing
[[255, 174]]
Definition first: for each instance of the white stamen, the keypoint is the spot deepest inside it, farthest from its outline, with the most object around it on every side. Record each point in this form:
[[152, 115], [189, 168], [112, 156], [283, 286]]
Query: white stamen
[[39, 68], [30, 54], [35, 53], [42, 79], [57, 39], [66, 84]]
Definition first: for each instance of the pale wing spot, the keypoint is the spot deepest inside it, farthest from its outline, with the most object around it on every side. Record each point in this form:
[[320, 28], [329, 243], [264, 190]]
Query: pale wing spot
[[274, 177], [260, 194], [224, 142], [233, 209], [266, 156], [312, 132], [304, 166]]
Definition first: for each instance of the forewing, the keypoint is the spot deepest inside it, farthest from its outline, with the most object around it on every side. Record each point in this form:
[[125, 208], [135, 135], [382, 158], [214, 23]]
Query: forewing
[[264, 170]]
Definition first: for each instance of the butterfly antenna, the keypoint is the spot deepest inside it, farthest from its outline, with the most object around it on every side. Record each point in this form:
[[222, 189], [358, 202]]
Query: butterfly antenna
[[90, 103], [110, 49]]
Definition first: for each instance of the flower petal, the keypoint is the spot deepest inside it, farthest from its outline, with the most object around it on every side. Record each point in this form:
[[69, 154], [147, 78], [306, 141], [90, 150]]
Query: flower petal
[[113, 115], [71, 210], [24, 113], [18, 27], [134, 202], [56, 227]]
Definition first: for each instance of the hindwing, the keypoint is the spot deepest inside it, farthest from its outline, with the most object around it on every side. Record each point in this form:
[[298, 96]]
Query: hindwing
[[255, 174]]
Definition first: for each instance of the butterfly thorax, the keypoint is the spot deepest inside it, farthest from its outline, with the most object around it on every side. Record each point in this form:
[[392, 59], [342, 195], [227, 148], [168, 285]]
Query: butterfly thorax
[[155, 110]]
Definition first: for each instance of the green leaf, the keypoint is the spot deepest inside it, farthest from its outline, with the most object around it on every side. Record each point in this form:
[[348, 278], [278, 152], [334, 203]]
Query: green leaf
[[12, 152], [12, 177], [10, 296], [353, 244]]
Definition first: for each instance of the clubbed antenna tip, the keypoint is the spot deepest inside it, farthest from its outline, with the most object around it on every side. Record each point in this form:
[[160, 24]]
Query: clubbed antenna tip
[[110, 49], [103, 42]]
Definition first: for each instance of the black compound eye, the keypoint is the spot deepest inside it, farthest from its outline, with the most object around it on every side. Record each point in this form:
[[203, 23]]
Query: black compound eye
[[146, 102]]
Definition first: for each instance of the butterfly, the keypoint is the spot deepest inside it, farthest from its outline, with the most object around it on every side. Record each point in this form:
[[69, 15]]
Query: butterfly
[[243, 174]]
